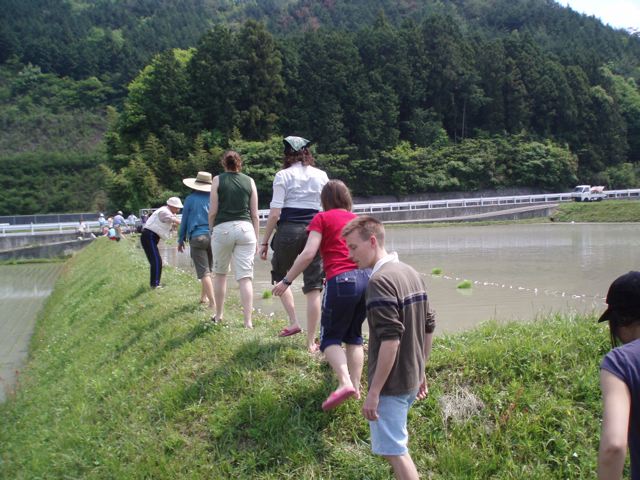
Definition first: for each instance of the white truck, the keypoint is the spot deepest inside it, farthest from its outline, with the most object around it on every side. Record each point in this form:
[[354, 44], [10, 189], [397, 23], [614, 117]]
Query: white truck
[[587, 193]]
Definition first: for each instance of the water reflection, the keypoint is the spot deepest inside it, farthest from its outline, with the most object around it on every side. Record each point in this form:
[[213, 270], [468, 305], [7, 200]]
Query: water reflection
[[518, 272], [23, 290], [12, 293]]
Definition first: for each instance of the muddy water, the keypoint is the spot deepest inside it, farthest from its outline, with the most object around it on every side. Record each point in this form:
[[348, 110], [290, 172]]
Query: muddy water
[[23, 290], [518, 272]]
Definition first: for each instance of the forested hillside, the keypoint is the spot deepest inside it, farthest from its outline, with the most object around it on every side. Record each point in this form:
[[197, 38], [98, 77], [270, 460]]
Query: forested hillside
[[399, 97]]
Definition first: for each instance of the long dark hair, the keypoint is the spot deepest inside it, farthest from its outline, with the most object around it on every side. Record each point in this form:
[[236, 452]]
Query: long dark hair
[[616, 321], [303, 155]]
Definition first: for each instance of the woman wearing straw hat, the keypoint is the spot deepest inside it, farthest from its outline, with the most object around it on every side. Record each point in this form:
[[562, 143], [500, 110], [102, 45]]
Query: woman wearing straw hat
[[233, 215], [159, 226], [194, 229]]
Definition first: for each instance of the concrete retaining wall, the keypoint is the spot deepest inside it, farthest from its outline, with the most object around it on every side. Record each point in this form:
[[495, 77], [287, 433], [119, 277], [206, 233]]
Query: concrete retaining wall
[[419, 197], [467, 214], [59, 249], [11, 242]]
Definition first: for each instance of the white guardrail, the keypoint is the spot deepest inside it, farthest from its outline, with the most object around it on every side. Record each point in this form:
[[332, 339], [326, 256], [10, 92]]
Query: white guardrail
[[361, 208]]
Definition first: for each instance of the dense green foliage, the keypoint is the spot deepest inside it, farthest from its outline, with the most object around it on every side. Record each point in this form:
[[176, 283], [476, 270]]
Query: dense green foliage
[[137, 385], [43, 112], [426, 106], [52, 129], [51, 182], [113, 40], [382, 87]]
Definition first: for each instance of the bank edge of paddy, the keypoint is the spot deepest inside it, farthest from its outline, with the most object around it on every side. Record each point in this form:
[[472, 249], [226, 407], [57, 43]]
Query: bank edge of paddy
[[128, 382], [609, 211]]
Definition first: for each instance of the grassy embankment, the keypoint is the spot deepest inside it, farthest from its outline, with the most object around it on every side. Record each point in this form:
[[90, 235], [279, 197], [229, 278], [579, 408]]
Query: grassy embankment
[[124, 382], [605, 211], [609, 211]]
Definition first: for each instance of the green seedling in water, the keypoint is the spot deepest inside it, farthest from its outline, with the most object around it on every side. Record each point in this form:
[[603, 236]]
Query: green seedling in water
[[436, 271], [464, 284], [266, 294]]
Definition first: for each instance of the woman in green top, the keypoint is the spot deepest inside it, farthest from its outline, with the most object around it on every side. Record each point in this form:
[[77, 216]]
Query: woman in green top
[[233, 216]]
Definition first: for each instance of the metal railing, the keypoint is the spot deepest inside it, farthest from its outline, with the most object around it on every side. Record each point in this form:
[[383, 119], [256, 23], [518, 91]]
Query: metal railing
[[372, 208], [361, 208]]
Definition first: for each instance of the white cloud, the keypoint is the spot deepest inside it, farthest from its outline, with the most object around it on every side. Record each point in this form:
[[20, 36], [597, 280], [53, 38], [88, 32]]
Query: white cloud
[[617, 13]]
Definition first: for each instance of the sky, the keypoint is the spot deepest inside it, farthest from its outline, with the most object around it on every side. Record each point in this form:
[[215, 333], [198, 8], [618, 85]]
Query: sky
[[617, 13]]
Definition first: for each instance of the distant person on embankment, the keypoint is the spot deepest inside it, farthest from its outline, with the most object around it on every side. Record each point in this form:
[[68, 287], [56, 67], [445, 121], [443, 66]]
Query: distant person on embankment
[[119, 223], [131, 221], [102, 222], [194, 230], [159, 226], [620, 380]]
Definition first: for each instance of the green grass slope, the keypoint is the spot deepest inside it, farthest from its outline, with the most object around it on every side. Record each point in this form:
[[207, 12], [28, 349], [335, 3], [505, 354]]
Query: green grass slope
[[124, 382], [605, 211]]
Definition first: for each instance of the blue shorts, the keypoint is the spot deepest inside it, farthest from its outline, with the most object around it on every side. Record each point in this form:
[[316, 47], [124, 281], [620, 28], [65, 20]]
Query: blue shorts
[[344, 309], [389, 435]]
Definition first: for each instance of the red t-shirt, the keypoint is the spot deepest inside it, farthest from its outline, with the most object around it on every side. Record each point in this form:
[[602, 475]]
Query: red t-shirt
[[333, 248]]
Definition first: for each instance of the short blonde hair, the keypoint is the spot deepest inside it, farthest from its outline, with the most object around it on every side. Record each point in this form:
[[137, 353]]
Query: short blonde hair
[[366, 226]]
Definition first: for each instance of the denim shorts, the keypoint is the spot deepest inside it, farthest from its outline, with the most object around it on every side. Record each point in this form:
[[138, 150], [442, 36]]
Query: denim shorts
[[235, 239], [200, 250], [287, 243], [389, 435], [344, 308]]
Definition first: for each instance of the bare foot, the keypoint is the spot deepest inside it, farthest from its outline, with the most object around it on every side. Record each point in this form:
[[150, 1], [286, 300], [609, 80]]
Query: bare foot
[[248, 325]]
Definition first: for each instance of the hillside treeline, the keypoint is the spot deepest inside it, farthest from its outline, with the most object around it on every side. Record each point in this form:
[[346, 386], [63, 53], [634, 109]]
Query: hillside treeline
[[113, 39], [425, 106], [51, 182], [399, 97]]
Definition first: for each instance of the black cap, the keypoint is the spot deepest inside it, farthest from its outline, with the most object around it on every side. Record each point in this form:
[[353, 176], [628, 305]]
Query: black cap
[[623, 297]]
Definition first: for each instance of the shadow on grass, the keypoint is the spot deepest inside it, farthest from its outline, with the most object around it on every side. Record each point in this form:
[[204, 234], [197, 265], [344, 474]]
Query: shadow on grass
[[139, 331], [111, 315], [263, 404]]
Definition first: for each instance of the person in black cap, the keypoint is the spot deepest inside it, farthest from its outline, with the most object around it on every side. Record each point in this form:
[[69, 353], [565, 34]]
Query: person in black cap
[[295, 201], [620, 380]]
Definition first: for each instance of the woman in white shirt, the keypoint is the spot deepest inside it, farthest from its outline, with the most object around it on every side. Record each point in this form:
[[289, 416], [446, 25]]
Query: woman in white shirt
[[295, 201], [159, 226]]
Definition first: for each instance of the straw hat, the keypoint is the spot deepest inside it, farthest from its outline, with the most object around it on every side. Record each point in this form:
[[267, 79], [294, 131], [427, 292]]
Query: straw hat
[[202, 182], [174, 202]]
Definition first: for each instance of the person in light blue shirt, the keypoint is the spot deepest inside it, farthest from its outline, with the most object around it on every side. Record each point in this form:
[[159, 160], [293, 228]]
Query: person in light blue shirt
[[118, 224], [194, 229]]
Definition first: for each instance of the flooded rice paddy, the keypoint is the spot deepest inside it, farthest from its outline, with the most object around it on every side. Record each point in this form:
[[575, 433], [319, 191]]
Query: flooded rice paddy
[[517, 272], [23, 290]]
